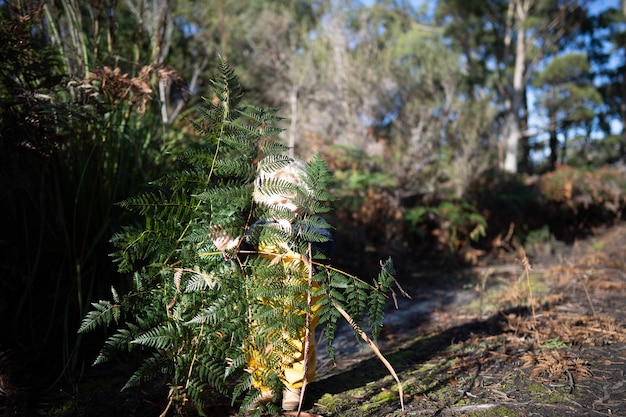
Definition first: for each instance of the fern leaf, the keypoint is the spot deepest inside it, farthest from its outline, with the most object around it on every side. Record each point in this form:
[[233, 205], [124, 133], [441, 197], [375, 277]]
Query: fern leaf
[[103, 314], [159, 338], [157, 364], [270, 148], [121, 340]]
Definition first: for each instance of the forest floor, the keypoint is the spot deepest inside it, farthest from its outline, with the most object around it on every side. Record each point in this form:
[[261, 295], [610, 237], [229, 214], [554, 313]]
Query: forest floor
[[544, 336], [541, 337]]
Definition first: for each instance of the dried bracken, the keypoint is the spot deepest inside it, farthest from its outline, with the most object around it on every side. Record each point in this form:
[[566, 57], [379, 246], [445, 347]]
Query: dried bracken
[[556, 365], [118, 86]]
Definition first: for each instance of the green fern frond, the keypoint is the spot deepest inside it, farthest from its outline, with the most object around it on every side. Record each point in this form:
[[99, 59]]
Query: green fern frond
[[224, 308], [263, 116], [273, 161], [158, 363], [269, 148], [187, 178], [235, 196], [226, 87], [376, 313], [203, 280], [235, 365], [309, 231], [243, 390], [328, 317], [277, 186], [318, 177], [194, 392], [315, 222], [357, 300], [378, 299], [199, 127], [137, 245], [159, 338], [120, 341], [103, 314], [235, 167], [213, 118], [177, 205], [310, 207]]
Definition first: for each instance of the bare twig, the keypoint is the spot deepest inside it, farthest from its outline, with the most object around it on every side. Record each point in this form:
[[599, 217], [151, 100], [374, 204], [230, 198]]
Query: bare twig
[[169, 404], [375, 349], [593, 311], [570, 379], [527, 268], [460, 409], [307, 330]]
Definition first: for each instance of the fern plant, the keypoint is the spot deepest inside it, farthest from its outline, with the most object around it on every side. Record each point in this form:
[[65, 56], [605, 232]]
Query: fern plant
[[194, 309]]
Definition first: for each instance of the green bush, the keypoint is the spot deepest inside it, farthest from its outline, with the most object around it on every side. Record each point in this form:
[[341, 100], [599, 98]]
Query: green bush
[[454, 225]]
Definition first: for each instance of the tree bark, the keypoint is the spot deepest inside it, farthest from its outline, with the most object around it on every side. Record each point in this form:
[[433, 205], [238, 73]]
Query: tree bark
[[553, 142], [622, 109], [622, 112], [525, 156], [512, 128]]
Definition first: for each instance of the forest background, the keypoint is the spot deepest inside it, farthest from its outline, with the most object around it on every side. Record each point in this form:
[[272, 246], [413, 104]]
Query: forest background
[[452, 128]]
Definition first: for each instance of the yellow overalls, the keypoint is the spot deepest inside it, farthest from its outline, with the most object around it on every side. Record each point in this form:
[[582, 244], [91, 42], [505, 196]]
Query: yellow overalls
[[292, 364]]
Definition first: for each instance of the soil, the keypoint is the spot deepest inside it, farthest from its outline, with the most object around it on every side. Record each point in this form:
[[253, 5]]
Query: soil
[[538, 331]]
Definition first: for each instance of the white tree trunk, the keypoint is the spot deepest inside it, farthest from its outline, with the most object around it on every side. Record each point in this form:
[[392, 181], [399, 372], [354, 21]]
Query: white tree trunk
[[512, 130]]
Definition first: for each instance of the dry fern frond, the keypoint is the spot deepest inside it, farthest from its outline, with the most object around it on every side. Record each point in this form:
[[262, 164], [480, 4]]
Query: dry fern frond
[[555, 365]]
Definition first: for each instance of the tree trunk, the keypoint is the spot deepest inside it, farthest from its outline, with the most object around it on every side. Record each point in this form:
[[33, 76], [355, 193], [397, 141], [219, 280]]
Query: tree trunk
[[623, 104], [564, 146], [512, 129], [553, 142], [622, 111], [525, 156]]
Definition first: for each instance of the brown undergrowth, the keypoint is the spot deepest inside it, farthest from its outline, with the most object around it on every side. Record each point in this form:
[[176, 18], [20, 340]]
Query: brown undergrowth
[[560, 323]]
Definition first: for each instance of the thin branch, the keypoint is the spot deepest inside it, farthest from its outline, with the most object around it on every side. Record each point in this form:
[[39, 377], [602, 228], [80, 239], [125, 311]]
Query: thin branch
[[307, 329], [375, 349]]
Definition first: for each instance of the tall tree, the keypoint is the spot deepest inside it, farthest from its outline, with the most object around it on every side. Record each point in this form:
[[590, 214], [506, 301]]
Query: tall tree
[[504, 42], [610, 58], [568, 96], [539, 28]]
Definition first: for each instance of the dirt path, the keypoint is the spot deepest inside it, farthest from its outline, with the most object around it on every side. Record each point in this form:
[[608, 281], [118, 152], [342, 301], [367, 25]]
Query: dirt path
[[479, 343]]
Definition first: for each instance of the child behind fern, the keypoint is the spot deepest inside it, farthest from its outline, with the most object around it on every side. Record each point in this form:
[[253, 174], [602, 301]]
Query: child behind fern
[[279, 237]]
